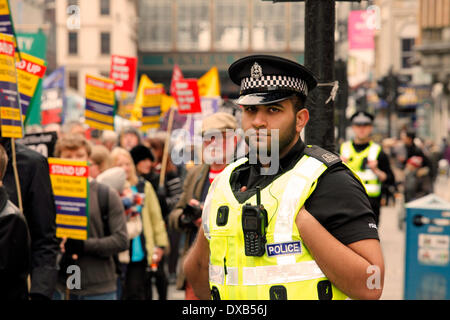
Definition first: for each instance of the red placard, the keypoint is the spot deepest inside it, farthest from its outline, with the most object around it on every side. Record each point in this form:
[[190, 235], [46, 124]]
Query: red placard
[[123, 71], [186, 95]]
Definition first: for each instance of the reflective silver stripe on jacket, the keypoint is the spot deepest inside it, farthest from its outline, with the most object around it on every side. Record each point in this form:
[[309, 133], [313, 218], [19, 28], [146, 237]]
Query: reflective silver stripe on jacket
[[266, 275]]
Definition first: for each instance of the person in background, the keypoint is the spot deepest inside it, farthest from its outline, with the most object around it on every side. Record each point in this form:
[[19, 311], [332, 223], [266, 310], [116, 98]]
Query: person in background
[[116, 178], [129, 137], [149, 246], [15, 244], [100, 160], [94, 256], [424, 173], [72, 127], [169, 193], [40, 212], [185, 217], [110, 139]]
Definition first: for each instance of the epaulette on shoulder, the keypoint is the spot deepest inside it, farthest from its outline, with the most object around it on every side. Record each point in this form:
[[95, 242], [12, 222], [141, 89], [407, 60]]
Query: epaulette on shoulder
[[326, 157]]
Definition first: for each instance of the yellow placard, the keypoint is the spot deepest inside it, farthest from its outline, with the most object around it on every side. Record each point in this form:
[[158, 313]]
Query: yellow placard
[[71, 233]]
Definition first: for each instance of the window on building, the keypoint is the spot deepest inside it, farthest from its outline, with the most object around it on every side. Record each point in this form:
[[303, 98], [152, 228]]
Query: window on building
[[231, 25], [73, 80], [193, 25], [297, 26], [72, 3], [73, 43], [105, 7], [269, 26], [155, 25], [407, 52], [105, 43]]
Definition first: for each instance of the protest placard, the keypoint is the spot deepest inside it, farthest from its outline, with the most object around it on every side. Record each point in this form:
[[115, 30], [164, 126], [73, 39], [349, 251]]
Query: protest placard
[[7, 24], [52, 100], [100, 103], [151, 107], [29, 71], [186, 95], [70, 186], [11, 117], [123, 71], [43, 142]]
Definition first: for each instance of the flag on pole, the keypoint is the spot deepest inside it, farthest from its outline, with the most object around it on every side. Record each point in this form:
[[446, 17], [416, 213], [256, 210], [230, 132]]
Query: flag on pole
[[136, 113], [209, 84], [176, 75]]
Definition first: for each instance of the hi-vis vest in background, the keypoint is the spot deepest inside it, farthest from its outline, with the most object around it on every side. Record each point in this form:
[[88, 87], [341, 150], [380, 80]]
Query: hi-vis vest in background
[[355, 161], [286, 270]]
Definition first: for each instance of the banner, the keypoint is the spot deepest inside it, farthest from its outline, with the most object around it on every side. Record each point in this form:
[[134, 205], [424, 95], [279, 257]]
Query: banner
[[44, 142], [100, 103], [36, 45], [361, 44], [11, 116], [123, 71], [360, 32], [209, 84], [151, 107], [53, 97], [71, 190], [186, 95], [29, 71]]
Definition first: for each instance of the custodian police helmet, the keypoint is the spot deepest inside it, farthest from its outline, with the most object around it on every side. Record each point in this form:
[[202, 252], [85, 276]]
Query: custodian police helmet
[[268, 79]]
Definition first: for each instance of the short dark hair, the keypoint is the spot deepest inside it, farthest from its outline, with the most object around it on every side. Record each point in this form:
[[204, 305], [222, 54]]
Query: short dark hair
[[3, 162], [298, 101], [411, 133]]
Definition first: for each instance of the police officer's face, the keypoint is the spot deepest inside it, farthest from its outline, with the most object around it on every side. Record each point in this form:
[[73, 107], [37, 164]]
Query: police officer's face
[[362, 132], [261, 123]]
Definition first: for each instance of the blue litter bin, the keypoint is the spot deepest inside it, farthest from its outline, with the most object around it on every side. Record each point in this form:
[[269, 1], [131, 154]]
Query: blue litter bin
[[427, 263]]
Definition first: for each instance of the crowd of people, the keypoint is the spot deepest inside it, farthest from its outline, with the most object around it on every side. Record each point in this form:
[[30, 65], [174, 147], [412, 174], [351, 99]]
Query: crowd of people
[[141, 224]]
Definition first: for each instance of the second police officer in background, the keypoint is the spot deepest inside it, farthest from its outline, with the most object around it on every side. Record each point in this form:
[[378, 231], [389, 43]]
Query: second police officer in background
[[315, 236], [368, 160]]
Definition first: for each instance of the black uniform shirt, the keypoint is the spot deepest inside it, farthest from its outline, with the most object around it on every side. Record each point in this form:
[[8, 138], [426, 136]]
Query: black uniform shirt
[[339, 201]]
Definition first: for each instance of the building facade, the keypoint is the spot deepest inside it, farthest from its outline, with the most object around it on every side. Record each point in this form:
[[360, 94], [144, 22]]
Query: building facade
[[433, 48], [88, 32], [199, 34]]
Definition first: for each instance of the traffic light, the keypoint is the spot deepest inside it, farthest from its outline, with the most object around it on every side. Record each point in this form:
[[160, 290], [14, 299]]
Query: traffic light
[[383, 88]]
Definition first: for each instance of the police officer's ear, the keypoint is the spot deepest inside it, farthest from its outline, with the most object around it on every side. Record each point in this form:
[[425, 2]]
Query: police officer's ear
[[302, 118]]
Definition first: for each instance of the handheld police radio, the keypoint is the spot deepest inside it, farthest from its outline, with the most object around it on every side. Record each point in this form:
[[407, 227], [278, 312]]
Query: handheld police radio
[[254, 224]]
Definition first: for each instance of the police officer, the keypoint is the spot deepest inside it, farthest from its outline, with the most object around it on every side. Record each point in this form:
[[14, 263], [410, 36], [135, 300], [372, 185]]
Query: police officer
[[305, 232], [367, 159]]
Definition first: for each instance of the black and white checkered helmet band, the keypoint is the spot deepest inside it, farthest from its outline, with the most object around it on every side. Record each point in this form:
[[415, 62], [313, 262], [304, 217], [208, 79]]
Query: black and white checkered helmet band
[[268, 83]]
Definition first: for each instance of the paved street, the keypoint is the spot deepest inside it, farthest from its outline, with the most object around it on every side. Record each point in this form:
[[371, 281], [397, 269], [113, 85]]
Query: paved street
[[393, 245]]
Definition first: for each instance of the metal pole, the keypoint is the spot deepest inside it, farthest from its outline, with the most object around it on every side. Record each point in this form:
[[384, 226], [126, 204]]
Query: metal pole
[[319, 58]]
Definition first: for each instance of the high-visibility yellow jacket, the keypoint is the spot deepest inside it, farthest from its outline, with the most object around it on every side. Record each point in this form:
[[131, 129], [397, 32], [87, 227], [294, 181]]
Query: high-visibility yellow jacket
[[355, 161], [286, 270]]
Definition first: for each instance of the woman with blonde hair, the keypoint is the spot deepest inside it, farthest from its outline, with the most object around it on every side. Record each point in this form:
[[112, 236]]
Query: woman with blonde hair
[[148, 246]]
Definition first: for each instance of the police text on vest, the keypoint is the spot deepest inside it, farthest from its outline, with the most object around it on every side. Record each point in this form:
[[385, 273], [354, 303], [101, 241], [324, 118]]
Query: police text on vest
[[284, 248]]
